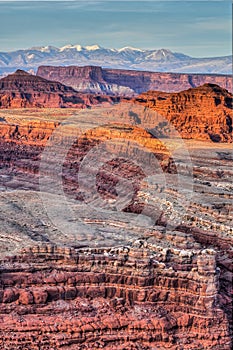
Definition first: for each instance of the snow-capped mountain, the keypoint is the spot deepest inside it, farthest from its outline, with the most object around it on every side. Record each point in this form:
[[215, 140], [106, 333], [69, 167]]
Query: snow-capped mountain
[[162, 60]]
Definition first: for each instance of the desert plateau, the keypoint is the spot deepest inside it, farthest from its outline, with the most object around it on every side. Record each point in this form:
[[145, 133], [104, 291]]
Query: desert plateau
[[140, 267], [116, 175]]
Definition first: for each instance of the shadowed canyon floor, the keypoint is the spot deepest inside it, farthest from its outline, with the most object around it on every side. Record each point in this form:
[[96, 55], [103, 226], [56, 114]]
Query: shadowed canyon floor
[[112, 238]]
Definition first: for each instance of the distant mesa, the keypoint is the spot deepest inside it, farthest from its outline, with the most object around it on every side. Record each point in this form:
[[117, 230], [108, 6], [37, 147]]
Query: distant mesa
[[202, 113], [24, 90], [22, 81], [95, 79]]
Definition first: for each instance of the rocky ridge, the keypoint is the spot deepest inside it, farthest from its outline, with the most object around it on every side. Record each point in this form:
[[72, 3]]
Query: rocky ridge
[[107, 280], [128, 82], [24, 90], [138, 296], [202, 113]]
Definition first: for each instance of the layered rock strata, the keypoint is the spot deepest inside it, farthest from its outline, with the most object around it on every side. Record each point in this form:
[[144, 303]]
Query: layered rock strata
[[107, 279], [23, 90], [202, 113], [127, 82], [139, 296]]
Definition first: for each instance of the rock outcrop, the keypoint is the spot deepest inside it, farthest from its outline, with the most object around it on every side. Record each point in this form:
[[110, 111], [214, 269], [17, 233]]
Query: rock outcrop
[[88, 79], [24, 90], [105, 279], [202, 113], [141, 296], [128, 82]]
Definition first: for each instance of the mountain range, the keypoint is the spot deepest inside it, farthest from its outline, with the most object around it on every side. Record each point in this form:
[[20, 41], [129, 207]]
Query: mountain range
[[161, 60]]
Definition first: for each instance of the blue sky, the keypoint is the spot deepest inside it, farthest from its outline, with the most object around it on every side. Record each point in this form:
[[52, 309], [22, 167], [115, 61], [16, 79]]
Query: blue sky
[[197, 28]]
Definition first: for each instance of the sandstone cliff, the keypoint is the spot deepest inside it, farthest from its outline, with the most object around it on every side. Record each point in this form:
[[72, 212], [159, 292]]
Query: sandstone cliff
[[128, 82], [121, 285], [202, 113], [23, 90], [140, 296]]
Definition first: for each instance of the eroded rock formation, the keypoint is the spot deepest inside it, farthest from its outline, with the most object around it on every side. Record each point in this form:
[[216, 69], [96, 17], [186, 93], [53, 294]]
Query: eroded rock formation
[[128, 82], [23, 90], [140, 296], [101, 279], [202, 113]]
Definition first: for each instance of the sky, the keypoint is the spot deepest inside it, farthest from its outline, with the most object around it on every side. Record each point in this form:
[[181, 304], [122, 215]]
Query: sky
[[196, 28]]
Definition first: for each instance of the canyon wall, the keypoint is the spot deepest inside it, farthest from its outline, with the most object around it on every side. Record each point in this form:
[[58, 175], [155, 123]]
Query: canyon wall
[[202, 113], [128, 82], [114, 282], [141, 296], [23, 90]]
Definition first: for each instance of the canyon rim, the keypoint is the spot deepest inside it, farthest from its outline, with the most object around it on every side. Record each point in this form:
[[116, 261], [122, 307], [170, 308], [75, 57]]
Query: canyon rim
[[116, 175]]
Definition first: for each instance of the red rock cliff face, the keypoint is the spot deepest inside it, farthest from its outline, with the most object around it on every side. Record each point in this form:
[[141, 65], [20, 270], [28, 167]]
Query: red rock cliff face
[[203, 113], [86, 79], [23, 90], [141, 296], [161, 289], [97, 79]]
